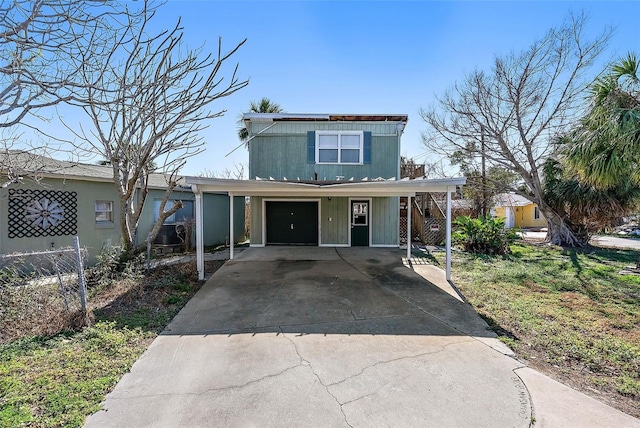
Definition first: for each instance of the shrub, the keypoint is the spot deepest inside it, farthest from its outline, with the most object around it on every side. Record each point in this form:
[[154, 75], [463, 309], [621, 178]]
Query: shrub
[[485, 235], [113, 264]]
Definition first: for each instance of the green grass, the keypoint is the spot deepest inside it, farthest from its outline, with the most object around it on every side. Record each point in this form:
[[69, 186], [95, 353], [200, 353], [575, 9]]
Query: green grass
[[570, 308], [56, 381]]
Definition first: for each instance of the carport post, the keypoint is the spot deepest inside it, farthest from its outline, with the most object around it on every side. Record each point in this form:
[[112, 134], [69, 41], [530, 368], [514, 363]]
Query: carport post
[[448, 238], [231, 239], [199, 235], [408, 227]]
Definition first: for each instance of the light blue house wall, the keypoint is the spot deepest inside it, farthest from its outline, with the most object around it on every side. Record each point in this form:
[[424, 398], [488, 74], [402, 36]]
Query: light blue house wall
[[216, 207], [285, 150]]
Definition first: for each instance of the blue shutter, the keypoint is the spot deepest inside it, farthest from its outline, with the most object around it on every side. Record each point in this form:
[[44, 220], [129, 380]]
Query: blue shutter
[[311, 147], [366, 148]]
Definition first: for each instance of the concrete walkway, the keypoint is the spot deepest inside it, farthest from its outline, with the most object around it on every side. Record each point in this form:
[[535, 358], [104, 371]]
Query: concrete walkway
[[336, 337], [606, 241]]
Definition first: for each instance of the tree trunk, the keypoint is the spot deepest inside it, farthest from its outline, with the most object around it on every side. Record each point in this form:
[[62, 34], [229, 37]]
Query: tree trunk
[[562, 232]]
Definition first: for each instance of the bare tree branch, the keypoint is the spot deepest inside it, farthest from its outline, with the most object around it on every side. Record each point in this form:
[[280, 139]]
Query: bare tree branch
[[521, 106], [147, 110], [40, 43]]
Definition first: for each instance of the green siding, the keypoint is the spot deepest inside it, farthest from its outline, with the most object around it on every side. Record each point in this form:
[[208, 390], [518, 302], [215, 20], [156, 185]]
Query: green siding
[[282, 151], [286, 156], [147, 217], [384, 220], [216, 216], [216, 219], [336, 231], [94, 236], [91, 235], [256, 220]]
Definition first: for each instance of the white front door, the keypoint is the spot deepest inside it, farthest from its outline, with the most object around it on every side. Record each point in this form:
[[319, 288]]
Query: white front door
[[510, 221]]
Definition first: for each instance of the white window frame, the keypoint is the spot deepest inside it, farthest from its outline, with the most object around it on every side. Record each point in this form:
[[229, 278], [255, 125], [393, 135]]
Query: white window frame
[[536, 213], [340, 134], [97, 211]]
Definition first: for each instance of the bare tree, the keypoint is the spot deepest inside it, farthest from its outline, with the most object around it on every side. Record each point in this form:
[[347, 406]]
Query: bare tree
[[238, 173], [518, 109], [39, 42], [147, 111]]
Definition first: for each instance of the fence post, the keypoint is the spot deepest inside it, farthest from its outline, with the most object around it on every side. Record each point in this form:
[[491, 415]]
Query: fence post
[[81, 283], [148, 253]]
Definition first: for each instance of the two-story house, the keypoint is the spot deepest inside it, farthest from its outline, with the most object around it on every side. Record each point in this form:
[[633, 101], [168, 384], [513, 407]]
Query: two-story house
[[324, 180]]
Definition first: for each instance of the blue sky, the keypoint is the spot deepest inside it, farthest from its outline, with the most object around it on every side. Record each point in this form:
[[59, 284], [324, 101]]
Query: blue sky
[[369, 57]]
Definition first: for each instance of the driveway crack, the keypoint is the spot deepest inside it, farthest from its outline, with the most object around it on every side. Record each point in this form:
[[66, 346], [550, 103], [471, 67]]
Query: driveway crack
[[392, 360], [212, 390], [326, 387]]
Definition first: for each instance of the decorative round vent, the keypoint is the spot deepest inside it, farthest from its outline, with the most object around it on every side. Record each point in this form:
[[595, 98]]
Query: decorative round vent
[[44, 212]]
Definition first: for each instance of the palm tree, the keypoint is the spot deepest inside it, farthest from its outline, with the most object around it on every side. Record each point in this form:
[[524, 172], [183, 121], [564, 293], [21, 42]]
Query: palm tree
[[264, 106], [607, 148]]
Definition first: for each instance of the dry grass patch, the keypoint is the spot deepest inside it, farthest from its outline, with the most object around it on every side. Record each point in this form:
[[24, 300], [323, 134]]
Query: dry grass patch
[[57, 380]]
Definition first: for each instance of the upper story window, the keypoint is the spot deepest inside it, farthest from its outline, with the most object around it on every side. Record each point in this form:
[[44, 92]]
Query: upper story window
[[343, 147]]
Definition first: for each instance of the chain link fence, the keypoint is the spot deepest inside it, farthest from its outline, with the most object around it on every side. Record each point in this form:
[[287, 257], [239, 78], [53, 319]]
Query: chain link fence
[[41, 290]]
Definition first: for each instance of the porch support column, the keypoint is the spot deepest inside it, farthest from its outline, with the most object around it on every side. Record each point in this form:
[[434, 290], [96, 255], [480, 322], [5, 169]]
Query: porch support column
[[231, 238], [448, 229], [408, 227], [199, 233]]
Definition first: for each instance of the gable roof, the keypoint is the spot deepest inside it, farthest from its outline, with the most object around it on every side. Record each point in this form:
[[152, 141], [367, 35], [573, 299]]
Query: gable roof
[[28, 163], [511, 200]]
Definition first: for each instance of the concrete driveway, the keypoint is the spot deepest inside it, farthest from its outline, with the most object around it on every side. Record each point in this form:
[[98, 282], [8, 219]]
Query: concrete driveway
[[321, 337]]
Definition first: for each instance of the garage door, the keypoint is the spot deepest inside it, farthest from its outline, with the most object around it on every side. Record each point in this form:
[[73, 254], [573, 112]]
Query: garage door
[[293, 223]]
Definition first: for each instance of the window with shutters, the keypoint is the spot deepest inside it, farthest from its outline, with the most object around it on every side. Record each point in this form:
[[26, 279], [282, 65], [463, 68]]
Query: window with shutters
[[339, 147]]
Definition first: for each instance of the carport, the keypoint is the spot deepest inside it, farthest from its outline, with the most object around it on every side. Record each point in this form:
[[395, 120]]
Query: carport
[[318, 189]]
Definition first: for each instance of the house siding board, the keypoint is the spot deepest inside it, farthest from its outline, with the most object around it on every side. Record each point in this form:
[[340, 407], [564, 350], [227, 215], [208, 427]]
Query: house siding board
[[94, 236], [267, 159], [287, 149], [336, 231], [216, 220], [384, 220], [523, 216], [256, 220], [147, 217], [301, 128], [91, 236]]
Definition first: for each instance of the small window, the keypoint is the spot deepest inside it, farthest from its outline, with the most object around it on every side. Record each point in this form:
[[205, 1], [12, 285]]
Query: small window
[[536, 213], [104, 211], [359, 215], [339, 147], [183, 214]]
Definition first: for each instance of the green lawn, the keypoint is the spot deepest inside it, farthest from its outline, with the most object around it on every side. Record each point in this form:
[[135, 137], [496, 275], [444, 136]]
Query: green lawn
[[568, 312], [58, 380]]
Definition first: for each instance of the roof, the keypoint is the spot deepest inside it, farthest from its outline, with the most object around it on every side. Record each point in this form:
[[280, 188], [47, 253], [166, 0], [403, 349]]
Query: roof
[[28, 163], [510, 200], [381, 187], [310, 117]]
